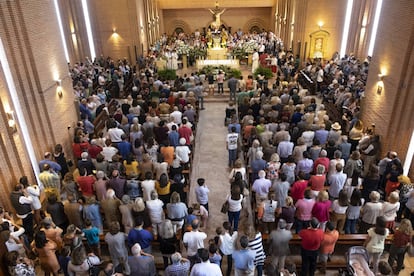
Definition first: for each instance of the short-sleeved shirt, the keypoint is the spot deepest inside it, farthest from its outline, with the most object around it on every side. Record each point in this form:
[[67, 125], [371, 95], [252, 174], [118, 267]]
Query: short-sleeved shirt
[[194, 241], [328, 243], [232, 141], [311, 238]]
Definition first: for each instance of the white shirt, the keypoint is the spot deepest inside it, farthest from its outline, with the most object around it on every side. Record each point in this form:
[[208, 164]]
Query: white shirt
[[235, 205], [206, 269], [155, 210], [202, 194], [284, 149], [227, 243], [183, 153], [115, 134], [338, 209], [34, 191], [194, 241], [177, 115], [232, 141], [147, 187], [108, 152]]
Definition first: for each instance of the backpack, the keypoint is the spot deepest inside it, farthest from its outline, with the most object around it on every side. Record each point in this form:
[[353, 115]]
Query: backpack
[[94, 270]]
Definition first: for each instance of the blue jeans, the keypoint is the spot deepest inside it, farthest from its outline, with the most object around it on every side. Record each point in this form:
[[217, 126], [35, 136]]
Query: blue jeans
[[232, 157], [301, 224], [350, 226], [259, 269], [234, 217]]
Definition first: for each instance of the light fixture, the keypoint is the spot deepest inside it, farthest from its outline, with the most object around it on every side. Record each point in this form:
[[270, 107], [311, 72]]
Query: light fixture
[[380, 84], [114, 30], [59, 88], [88, 29], [374, 28], [320, 24], [62, 33], [345, 31], [11, 121]]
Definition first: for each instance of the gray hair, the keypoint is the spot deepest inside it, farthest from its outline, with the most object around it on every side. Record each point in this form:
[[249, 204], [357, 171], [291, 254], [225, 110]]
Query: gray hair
[[176, 257]]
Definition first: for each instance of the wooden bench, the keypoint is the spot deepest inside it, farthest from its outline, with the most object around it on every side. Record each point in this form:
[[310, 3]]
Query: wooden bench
[[344, 239], [337, 260]]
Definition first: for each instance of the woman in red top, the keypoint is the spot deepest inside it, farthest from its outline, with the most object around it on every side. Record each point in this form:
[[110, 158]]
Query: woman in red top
[[402, 237], [321, 208], [298, 188], [317, 182]]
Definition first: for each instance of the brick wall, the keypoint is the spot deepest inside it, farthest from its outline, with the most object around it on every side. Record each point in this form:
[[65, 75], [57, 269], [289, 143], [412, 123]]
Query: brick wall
[[392, 110], [30, 33]]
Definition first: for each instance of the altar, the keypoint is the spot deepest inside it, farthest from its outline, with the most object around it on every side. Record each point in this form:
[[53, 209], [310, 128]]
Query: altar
[[232, 63], [217, 53]]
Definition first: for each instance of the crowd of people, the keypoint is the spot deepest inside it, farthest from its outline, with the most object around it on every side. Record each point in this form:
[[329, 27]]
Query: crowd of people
[[126, 186]]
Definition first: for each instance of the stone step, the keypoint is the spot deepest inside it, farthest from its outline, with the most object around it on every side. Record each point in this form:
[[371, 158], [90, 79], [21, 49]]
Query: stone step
[[218, 98]]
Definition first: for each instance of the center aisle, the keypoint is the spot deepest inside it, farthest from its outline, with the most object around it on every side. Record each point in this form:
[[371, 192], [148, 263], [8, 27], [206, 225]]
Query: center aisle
[[210, 161]]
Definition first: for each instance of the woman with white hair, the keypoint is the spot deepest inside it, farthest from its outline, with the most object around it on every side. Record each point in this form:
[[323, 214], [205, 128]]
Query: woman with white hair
[[141, 263], [370, 212], [273, 166], [253, 150], [155, 211], [179, 263]]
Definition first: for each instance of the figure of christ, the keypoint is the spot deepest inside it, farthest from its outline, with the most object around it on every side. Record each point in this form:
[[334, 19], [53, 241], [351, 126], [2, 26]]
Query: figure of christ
[[217, 13]]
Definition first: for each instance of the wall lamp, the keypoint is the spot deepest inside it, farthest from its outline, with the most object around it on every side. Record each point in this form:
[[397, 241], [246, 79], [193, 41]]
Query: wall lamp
[[59, 90], [380, 85], [11, 121], [320, 24]]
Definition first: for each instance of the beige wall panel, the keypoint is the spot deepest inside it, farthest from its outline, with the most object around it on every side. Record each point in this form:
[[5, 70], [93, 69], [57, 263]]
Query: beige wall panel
[[233, 17], [332, 15]]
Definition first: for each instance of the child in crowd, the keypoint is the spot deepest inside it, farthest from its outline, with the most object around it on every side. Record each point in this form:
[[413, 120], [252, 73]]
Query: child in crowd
[[328, 244], [402, 237], [384, 269], [201, 211], [64, 258], [376, 241], [214, 256], [92, 237]]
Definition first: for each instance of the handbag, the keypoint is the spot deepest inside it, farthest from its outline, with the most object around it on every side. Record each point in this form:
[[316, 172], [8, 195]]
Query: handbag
[[225, 207]]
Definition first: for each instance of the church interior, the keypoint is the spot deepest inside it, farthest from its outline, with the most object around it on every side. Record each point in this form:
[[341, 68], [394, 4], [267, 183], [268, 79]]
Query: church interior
[[41, 39]]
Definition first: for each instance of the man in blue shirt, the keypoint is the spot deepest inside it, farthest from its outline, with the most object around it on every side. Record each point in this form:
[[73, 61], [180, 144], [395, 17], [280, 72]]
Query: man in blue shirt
[[141, 236], [244, 259]]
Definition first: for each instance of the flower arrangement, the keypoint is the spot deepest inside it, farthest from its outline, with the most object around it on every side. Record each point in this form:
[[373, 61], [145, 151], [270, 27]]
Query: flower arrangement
[[182, 48], [198, 52], [249, 46]]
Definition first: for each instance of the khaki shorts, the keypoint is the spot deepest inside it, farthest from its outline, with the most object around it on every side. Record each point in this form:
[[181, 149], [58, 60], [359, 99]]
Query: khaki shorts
[[211, 86]]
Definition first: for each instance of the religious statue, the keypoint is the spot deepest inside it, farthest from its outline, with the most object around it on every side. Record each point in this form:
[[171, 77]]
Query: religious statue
[[209, 38], [217, 13], [224, 37]]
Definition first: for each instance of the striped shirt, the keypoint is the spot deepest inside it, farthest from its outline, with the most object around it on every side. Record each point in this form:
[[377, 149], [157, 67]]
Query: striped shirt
[[257, 246]]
